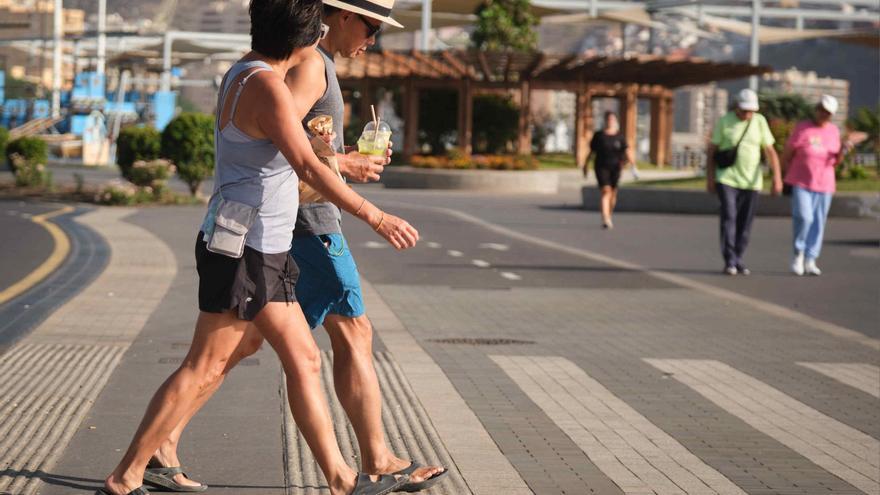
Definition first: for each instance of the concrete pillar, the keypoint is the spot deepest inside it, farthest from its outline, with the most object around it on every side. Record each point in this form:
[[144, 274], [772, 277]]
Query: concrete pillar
[[524, 141], [583, 125]]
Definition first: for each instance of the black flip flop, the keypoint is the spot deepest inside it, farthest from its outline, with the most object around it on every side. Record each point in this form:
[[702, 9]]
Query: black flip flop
[[413, 486], [163, 477], [385, 484], [137, 491]]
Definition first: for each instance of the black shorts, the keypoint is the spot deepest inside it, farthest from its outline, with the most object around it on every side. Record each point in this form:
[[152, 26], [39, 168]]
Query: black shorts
[[243, 284], [608, 177]]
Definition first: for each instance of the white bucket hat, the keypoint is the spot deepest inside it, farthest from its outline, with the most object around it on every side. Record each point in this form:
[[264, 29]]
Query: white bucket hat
[[829, 103], [747, 100], [374, 9]]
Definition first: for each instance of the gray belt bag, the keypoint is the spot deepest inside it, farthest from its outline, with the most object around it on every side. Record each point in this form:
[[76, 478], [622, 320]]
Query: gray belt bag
[[232, 222]]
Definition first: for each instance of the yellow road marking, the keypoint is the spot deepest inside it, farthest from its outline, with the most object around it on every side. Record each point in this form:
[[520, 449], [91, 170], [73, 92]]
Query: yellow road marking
[[59, 253]]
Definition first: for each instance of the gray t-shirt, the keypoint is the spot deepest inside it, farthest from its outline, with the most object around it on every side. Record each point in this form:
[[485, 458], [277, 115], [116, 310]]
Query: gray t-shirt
[[324, 218]]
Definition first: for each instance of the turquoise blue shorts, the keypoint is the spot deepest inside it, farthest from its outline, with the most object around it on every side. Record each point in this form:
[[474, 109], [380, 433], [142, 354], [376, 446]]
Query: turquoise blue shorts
[[328, 281]]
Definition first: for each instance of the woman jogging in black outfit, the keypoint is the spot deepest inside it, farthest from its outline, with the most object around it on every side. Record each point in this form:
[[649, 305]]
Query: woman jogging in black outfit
[[612, 152]]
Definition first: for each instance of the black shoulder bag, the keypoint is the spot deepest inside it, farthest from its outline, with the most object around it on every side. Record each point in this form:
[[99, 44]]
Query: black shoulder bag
[[726, 158]]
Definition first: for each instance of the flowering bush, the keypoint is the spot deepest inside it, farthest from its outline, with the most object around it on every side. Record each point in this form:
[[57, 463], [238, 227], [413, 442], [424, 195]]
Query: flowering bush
[[120, 193], [117, 193], [30, 173], [153, 174], [459, 161]]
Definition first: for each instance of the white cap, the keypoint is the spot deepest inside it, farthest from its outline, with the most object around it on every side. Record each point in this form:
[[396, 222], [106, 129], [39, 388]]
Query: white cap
[[829, 103], [747, 100]]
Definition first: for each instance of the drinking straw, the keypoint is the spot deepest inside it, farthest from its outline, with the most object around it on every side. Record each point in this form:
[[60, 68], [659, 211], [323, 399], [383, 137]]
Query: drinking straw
[[376, 125]]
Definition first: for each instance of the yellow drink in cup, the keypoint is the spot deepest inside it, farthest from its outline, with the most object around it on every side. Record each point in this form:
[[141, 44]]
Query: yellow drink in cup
[[374, 142]]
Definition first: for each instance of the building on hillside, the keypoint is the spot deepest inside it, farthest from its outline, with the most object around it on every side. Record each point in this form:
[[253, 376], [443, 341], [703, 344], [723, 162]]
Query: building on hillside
[[34, 19], [216, 16], [811, 87]]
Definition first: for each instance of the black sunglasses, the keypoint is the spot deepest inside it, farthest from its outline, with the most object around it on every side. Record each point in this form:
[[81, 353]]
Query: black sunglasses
[[372, 29]]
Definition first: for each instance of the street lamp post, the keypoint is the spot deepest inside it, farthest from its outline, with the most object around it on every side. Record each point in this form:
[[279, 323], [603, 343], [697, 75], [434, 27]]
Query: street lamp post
[[56, 58], [755, 44], [102, 37], [426, 25]]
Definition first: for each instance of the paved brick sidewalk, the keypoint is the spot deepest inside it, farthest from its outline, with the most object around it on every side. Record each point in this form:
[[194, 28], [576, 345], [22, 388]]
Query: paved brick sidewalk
[[559, 383]]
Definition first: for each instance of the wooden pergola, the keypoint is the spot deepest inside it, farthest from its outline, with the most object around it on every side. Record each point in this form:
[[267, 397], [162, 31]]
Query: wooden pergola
[[628, 79]]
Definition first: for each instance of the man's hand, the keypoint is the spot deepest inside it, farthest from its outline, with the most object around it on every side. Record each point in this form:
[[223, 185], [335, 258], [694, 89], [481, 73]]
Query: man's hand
[[328, 138], [776, 189], [361, 168]]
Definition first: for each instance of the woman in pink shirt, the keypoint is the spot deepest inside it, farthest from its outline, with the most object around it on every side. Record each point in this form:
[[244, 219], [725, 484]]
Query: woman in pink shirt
[[811, 154]]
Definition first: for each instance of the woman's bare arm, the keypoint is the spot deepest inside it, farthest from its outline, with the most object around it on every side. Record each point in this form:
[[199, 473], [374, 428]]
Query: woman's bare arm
[[279, 120]]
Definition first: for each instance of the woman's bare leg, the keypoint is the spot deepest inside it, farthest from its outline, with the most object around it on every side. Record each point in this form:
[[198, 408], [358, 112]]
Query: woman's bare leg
[[216, 337], [166, 454], [606, 204]]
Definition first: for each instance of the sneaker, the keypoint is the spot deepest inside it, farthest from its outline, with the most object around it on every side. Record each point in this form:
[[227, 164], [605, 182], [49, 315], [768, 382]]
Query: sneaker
[[730, 270], [810, 268], [742, 270], [608, 225], [797, 264]]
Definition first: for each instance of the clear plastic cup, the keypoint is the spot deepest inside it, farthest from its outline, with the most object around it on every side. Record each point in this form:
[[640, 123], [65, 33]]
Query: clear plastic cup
[[373, 142]]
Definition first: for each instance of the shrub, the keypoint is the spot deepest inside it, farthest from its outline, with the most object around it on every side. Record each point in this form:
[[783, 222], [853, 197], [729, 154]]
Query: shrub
[[117, 194], [188, 142], [33, 151], [4, 140], [858, 172], [136, 144], [496, 123], [30, 174], [153, 175]]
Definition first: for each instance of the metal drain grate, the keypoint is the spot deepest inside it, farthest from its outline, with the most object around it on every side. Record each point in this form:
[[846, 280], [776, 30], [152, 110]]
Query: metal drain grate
[[480, 341]]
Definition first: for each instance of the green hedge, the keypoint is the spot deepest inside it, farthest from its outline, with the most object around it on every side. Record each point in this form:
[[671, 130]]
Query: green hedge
[[188, 142], [137, 144], [33, 150], [4, 140]]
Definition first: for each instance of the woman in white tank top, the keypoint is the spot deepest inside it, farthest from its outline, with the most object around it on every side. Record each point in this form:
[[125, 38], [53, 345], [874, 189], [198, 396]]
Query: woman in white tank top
[[262, 150]]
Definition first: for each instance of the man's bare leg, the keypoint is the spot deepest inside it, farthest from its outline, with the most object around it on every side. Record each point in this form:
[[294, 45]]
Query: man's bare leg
[[357, 388]]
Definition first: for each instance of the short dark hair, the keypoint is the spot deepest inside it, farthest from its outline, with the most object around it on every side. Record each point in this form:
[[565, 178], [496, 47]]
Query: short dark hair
[[330, 10], [278, 27], [609, 113]]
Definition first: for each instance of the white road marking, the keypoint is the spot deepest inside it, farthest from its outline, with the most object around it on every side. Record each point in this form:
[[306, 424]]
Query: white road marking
[[840, 449], [727, 295], [637, 455], [510, 276], [865, 377], [375, 245], [434, 245], [454, 253], [495, 246], [481, 263]]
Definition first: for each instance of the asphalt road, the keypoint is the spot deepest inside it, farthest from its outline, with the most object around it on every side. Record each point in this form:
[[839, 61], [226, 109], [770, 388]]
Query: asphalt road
[[24, 245], [846, 294]]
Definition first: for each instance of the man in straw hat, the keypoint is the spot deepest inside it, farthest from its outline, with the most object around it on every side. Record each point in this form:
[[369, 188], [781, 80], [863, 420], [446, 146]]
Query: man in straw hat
[[328, 287]]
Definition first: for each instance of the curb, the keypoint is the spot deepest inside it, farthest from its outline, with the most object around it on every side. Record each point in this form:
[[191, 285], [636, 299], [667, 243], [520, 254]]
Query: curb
[[651, 200], [504, 181]]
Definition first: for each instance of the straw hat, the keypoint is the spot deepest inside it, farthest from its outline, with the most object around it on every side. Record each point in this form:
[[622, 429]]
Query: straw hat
[[375, 9]]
